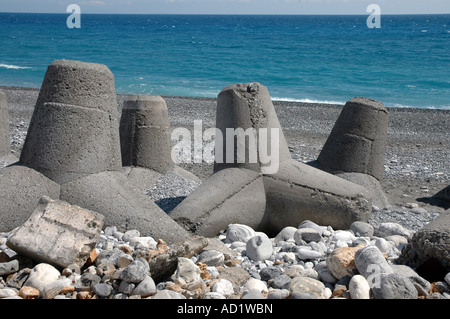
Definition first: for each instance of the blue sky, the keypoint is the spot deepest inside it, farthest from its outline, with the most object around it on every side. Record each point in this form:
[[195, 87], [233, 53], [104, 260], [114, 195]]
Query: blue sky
[[229, 6]]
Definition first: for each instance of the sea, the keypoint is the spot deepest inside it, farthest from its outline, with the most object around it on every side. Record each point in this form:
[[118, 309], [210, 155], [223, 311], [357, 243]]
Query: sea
[[304, 58]]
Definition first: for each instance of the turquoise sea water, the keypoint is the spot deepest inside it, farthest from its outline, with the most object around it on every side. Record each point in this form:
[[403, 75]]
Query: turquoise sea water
[[405, 63]]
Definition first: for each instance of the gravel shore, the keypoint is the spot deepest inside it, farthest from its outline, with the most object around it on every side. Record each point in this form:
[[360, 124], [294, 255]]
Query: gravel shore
[[249, 264], [416, 161]]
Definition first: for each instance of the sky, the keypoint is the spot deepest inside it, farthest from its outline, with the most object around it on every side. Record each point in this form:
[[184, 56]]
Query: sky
[[229, 6]]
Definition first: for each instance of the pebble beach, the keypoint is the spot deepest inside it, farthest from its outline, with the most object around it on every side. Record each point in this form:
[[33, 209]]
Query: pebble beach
[[305, 261]]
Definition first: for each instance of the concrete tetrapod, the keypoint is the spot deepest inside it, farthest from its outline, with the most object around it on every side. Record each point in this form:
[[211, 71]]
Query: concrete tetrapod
[[74, 128], [145, 139], [257, 183], [73, 140], [20, 187], [6, 157], [356, 147]]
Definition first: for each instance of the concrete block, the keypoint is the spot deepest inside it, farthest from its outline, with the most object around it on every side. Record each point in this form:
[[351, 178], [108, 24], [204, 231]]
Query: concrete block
[[358, 140], [370, 183], [230, 196], [5, 143], [110, 194], [145, 133], [21, 188], [248, 106], [266, 201], [74, 129], [300, 192], [58, 233]]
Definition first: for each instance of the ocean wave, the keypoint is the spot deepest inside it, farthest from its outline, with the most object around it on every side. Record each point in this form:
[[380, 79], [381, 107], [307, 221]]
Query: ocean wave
[[14, 67], [286, 99], [430, 107]]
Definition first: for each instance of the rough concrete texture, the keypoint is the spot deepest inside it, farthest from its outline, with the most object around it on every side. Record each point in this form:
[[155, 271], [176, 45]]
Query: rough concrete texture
[[221, 200], [247, 106], [372, 185], [110, 194], [430, 245], [21, 188], [293, 193], [58, 233], [146, 145], [145, 133], [5, 144], [74, 128], [358, 140], [6, 156], [73, 139], [300, 192]]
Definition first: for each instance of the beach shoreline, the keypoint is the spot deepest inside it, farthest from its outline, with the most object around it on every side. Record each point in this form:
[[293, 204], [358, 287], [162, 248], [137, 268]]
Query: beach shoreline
[[415, 162]]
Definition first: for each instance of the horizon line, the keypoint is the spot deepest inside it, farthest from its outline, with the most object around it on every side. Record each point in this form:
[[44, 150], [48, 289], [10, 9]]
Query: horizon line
[[230, 14]]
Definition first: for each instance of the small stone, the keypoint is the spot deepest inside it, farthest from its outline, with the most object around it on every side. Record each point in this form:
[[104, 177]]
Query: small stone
[[362, 229], [211, 258], [130, 234], [269, 273], [87, 282], [85, 295], [18, 279], [103, 290], [388, 229], [310, 224], [136, 271], [343, 235], [307, 234], [382, 245], [10, 267], [213, 295], [238, 232], [257, 284], [92, 258], [397, 239], [370, 262], [281, 281], [447, 278], [42, 275], [8, 292], [299, 285], [303, 253], [394, 286], [259, 248], [54, 288], [67, 290], [187, 272], [285, 234], [278, 294], [168, 294], [341, 261], [161, 246], [143, 242], [359, 287], [29, 292], [126, 287], [253, 294], [145, 288], [411, 205], [223, 287], [326, 276]]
